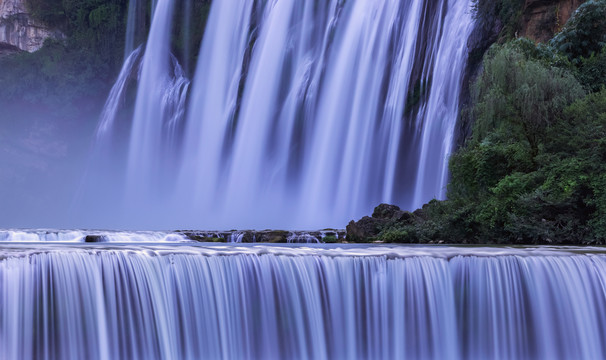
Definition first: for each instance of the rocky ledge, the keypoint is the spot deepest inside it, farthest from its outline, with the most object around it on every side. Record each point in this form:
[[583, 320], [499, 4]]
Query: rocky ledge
[[267, 236], [19, 30], [7, 49]]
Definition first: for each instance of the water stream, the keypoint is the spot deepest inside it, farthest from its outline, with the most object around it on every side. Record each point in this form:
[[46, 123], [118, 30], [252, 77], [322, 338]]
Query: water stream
[[325, 302], [301, 114]]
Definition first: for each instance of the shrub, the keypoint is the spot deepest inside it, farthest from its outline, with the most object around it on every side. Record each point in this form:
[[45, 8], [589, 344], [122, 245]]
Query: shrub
[[592, 71], [585, 33], [521, 93]]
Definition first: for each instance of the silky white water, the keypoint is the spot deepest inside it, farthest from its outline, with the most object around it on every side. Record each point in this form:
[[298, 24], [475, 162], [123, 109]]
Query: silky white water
[[153, 301], [69, 236], [301, 114]]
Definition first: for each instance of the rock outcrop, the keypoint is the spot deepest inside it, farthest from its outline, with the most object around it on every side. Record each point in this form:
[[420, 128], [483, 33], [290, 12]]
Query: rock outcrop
[[541, 19], [369, 227], [19, 30]]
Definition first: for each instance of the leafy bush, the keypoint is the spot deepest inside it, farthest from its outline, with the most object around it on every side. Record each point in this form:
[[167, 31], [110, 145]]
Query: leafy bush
[[585, 33], [532, 171], [592, 71], [397, 235], [579, 152], [522, 94], [330, 239]]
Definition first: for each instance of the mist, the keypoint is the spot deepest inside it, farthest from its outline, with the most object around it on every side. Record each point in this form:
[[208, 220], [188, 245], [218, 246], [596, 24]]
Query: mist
[[43, 160]]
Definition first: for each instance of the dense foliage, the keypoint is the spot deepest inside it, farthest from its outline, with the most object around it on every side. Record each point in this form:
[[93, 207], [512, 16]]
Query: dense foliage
[[534, 169], [585, 33]]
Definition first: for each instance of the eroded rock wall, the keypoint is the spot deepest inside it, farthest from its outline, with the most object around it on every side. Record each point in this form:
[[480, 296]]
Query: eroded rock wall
[[541, 19], [18, 30]]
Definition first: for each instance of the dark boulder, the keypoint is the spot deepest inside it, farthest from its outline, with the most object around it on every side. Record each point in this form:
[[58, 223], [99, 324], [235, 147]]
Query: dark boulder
[[95, 238], [272, 236], [368, 228], [386, 211], [363, 230]]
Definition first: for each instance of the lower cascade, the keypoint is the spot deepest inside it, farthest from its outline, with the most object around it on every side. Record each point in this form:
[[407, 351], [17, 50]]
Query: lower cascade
[[258, 301]]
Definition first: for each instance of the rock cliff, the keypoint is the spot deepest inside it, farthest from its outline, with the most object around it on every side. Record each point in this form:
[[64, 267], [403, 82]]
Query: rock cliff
[[541, 19], [19, 31]]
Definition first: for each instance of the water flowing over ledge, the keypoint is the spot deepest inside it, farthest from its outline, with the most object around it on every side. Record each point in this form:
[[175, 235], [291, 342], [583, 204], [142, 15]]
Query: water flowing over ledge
[[76, 236], [258, 301], [232, 236]]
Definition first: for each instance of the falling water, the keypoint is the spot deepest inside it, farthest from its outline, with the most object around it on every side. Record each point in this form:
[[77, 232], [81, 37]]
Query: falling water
[[116, 95], [147, 138], [302, 114], [302, 238], [288, 302], [437, 116]]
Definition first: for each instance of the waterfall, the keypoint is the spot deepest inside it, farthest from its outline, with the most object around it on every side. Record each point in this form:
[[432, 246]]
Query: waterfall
[[291, 302], [149, 129], [438, 115], [78, 236], [301, 114], [116, 95]]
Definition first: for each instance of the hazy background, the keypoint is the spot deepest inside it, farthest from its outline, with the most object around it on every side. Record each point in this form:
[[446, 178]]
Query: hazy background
[[51, 99]]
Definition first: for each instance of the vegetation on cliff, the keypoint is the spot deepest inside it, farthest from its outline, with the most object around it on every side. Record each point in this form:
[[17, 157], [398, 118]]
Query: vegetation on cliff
[[72, 78], [78, 70], [534, 169]]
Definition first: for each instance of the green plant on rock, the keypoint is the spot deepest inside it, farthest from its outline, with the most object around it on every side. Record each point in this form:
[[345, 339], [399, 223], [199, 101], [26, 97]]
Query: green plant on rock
[[397, 235], [585, 33], [330, 239]]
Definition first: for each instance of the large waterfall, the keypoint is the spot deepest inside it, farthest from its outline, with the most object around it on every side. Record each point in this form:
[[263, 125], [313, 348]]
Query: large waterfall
[[184, 301], [301, 114]]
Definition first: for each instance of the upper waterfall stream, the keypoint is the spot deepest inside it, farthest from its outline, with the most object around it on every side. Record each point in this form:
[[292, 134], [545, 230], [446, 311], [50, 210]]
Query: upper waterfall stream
[[301, 114]]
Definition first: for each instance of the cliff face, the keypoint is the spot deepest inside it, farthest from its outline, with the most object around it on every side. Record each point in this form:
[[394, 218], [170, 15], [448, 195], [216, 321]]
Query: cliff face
[[541, 19], [19, 31]]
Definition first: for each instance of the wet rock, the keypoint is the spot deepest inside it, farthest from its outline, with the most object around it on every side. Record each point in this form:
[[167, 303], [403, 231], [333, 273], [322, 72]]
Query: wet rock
[[272, 236], [363, 230], [266, 236], [368, 228], [95, 238], [386, 211]]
